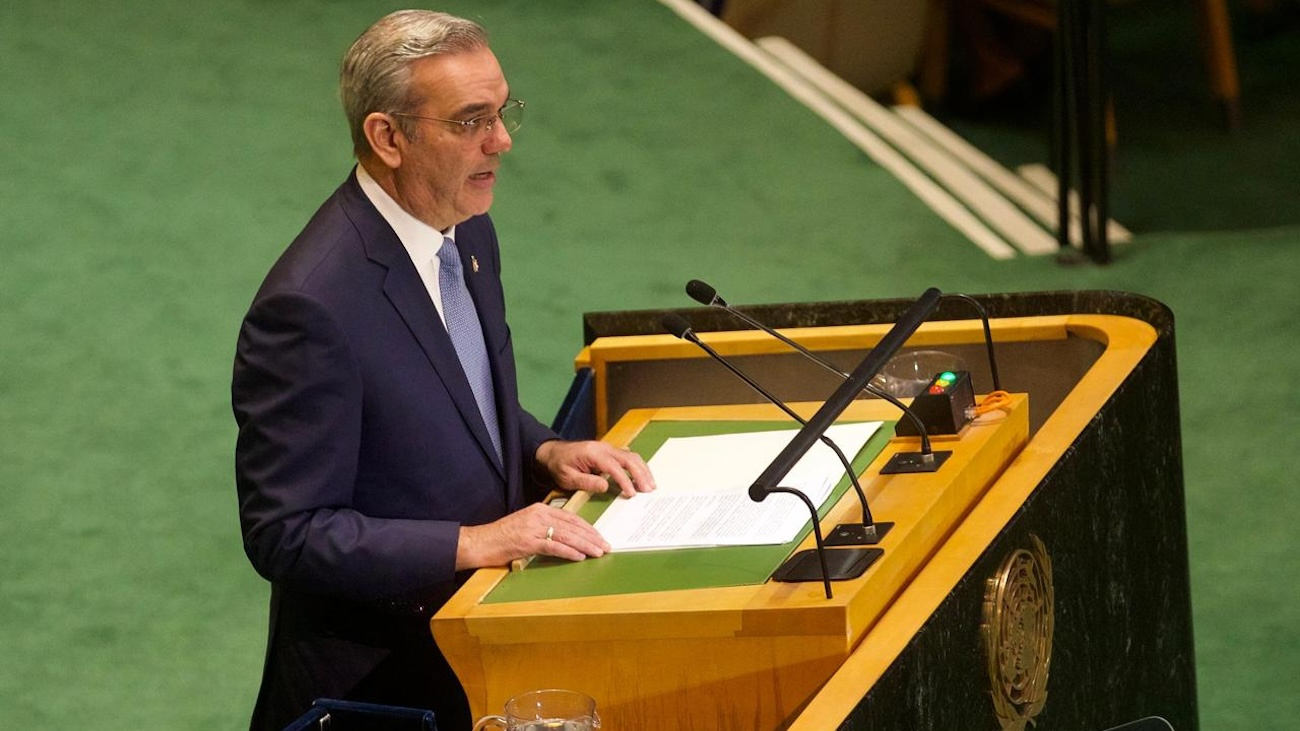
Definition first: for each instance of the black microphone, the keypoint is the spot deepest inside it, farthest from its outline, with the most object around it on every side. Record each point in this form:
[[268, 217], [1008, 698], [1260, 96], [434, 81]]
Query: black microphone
[[708, 296], [869, 532], [922, 461], [844, 395], [679, 327]]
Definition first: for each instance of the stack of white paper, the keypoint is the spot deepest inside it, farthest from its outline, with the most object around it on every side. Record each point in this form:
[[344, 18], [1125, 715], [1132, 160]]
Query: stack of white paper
[[702, 497]]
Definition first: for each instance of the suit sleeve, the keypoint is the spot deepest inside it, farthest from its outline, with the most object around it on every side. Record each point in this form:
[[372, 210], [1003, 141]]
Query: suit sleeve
[[537, 484], [297, 397]]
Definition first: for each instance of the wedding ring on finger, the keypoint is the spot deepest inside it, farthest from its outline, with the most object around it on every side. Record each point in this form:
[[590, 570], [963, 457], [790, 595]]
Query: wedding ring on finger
[[550, 532]]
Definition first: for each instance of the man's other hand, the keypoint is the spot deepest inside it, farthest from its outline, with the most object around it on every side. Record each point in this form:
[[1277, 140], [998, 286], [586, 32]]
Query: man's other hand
[[591, 466]]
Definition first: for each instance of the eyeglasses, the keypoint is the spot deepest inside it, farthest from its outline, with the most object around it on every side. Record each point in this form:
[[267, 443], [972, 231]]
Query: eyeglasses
[[511, 115]]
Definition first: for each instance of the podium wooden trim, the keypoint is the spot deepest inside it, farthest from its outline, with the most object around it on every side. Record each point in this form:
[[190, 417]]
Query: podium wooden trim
[[1099, 479]]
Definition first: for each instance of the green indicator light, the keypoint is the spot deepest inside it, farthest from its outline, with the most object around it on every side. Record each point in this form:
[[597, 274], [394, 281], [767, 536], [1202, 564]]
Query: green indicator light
[[948, 376]]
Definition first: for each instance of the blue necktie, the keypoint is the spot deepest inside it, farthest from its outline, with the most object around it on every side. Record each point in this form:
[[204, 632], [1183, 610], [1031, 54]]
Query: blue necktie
[[467, 336]]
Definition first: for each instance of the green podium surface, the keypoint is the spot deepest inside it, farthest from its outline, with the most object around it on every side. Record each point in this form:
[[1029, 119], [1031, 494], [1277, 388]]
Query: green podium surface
[[683, 568]]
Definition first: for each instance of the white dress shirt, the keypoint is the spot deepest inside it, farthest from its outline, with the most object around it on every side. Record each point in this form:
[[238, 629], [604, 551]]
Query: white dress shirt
[[420, 240]]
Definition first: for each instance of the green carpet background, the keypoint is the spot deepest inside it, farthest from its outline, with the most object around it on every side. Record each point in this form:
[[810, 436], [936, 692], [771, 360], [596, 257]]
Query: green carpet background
[[158, 155]]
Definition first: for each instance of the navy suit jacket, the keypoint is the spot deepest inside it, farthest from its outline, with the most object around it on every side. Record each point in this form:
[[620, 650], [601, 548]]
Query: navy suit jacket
[[361, 451]]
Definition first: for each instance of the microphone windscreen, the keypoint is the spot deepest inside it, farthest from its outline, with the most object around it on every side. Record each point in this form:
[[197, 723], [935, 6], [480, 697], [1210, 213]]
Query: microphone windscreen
[[701, 292], [675, 324]]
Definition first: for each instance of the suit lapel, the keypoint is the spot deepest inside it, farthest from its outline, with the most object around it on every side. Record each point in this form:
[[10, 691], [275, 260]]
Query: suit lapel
[[408, 295]]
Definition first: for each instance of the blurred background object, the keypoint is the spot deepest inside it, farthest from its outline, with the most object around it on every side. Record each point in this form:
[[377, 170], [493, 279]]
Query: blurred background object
[[873, 45]]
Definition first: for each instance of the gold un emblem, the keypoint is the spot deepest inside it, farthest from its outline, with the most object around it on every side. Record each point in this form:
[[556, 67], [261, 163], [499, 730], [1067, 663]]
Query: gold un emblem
[[1018, 620]]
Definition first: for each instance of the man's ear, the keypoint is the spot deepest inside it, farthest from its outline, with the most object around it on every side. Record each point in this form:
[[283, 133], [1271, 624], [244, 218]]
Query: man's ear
[[383, 136]]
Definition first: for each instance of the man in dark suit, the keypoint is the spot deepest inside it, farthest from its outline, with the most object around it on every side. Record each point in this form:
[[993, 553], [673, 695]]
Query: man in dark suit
[[382, 449]]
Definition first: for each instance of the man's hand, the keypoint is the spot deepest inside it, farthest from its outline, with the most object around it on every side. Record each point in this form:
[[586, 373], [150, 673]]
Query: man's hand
[[537, 529], [590, 465], [540, 529]]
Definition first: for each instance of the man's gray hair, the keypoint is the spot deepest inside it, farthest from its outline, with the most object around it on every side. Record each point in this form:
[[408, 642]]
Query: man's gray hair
[[376, 71]]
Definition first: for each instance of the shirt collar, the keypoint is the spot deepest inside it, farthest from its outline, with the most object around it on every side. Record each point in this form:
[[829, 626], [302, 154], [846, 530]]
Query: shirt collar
[[421, 240]]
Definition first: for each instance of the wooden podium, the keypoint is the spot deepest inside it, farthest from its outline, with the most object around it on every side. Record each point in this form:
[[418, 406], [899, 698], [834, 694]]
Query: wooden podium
[[1040, 575]]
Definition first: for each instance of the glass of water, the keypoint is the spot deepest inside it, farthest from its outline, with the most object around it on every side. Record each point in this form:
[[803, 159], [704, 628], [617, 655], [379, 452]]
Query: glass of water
[[552, 709]]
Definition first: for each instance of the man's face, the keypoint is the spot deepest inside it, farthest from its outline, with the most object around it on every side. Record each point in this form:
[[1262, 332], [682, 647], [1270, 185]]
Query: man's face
[[447, 172]]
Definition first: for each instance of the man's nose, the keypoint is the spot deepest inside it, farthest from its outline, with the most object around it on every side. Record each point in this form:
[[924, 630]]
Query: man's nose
[[498, 140]]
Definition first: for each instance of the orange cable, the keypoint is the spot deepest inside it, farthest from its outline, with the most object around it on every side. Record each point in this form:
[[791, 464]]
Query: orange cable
[[993, 401]]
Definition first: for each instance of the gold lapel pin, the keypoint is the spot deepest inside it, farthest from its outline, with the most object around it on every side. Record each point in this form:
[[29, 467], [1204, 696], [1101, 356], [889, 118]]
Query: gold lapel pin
[[473, 263]]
